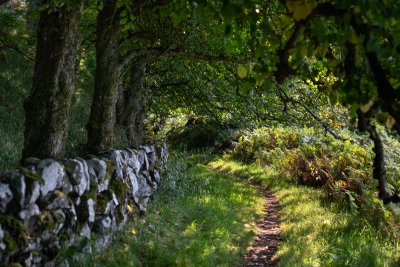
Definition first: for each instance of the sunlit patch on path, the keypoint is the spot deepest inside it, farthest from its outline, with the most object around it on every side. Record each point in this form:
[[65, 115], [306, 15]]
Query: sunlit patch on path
[[265, 245]]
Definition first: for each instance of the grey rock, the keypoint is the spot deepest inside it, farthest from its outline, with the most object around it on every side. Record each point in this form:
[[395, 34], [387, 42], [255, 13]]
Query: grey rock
[[151, 156], [142, 157], [86, 211], [85, 231], [91, 211], [67, 186], [2, 245], [103, 186], [58, 219], [148, 149], [115, 200], [156, 176], [16, 182], [110, 208], [60, 201], [30, 211], [133, 161], [37, 260], [52, 173], [79, 174], [103, 224], [33, 245], [33, 194], [78, 201], [97, 173], [144, 188], [1, 233], [5, 196], [134, 186], [118, 160], [97, 169]]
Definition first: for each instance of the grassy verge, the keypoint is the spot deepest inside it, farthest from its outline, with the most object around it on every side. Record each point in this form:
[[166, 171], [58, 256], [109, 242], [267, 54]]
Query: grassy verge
[[316, 232], [208, 219]]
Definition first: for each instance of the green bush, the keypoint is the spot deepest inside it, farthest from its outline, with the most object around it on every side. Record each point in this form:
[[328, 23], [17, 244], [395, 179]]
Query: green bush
[[342, 169], [199, 133]]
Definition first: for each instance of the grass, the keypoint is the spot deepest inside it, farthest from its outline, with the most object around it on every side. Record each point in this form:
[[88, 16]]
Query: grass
[[316, 232], [15, 81], [208, 219]]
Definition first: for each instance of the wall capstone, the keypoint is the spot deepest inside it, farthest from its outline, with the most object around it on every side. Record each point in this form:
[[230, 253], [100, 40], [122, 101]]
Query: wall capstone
[[47, 206]]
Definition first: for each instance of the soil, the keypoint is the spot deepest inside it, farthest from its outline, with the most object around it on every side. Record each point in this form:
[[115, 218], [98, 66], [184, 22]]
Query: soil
[[265, 244]]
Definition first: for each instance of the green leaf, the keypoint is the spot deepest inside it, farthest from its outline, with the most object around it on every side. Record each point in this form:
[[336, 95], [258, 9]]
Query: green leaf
[[242, 71]]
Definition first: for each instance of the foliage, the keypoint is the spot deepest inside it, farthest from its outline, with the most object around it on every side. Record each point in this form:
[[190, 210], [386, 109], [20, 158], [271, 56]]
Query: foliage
[[317, 232], [341, 168], [202, 133], [15, 80]]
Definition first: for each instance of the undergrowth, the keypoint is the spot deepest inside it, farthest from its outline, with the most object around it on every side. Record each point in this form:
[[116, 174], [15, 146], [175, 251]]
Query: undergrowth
[[317, 232], [341, 169]]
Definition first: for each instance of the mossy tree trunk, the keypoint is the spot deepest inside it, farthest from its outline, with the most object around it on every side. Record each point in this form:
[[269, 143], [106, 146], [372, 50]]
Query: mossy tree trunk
[[48, 104], [132, 109], [107, 79]]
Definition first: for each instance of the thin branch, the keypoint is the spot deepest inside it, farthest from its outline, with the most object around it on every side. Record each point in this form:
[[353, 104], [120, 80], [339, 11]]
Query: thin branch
[[318, 119], [18, 50]]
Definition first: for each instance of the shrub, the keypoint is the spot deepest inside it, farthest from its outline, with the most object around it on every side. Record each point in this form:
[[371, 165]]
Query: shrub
[[342, 169], [199, 133]]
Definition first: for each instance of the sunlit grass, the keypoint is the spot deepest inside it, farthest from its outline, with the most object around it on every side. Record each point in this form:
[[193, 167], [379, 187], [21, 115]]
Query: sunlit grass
[[316, 232], [209, 223]]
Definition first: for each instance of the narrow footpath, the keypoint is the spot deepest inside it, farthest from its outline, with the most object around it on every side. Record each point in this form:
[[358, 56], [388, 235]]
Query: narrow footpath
[[265, 245]]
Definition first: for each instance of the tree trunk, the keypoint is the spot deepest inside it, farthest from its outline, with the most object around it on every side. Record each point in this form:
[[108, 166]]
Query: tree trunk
[[47, 106], [107, 79], [133, 110]]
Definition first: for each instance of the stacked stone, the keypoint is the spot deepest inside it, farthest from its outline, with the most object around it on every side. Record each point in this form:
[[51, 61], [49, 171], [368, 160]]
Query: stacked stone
[[48, 206]]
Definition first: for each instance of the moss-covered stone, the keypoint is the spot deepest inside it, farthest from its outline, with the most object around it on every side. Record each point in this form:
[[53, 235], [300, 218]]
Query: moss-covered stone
[[58, 219], [119, 188], [49, 219], [110, 168], [16, 233], [31, 176], [103, 199]]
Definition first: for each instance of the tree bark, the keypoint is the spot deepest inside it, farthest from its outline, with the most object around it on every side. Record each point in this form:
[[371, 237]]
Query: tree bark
[[132, 111], [48, 104], [379, 170], [107, 79]]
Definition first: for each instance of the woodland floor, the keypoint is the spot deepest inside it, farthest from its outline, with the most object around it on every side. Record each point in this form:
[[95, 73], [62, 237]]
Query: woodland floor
[[265, 244]]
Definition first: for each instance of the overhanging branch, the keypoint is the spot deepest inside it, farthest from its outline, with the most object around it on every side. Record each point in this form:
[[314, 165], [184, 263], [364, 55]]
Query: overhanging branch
[[179, 53]]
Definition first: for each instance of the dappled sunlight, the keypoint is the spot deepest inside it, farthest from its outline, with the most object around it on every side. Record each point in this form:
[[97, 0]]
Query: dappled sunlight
[[209, 226], [316, 232]]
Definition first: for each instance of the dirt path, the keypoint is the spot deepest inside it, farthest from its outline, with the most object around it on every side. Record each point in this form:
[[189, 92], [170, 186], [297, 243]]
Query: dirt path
[[262, 251]]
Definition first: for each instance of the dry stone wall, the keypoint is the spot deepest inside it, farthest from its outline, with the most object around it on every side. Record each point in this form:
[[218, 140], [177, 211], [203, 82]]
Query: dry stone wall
[[48, 208]]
